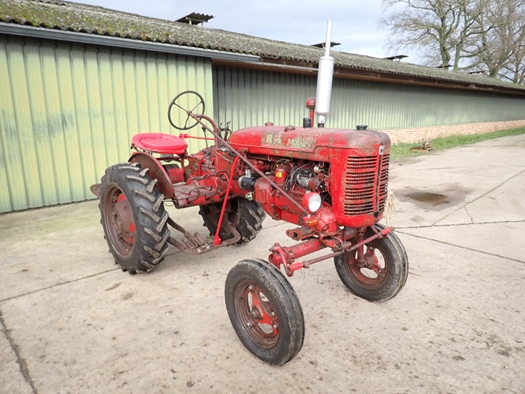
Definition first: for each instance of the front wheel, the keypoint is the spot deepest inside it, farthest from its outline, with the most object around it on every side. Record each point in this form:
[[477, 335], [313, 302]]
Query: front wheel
[[382, 273], [264, 311]]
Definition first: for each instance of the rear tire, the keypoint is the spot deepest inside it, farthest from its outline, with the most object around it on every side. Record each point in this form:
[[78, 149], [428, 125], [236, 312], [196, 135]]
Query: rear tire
[[133, 217], [387, 272], [247, 217], [264, 311]]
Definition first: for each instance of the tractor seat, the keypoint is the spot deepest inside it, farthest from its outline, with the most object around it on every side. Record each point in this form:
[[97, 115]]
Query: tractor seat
[[160, 143]]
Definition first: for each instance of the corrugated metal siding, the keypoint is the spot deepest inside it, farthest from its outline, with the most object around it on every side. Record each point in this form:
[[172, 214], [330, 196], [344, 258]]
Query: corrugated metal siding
[[250, 97], [69, 111], [389, 106]]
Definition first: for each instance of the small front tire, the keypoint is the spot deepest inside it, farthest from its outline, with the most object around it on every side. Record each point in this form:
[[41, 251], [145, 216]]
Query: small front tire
[[384, 272], [264, 311]]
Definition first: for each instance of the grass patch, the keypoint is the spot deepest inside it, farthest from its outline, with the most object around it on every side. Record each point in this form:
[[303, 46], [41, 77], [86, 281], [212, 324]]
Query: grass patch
[[403, 149]]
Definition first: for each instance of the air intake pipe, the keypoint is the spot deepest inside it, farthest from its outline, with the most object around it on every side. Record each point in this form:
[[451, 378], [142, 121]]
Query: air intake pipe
[[324, 80]]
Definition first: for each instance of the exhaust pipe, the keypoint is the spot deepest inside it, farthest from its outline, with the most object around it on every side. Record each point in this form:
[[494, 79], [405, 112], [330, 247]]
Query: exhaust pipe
[[324, 80]]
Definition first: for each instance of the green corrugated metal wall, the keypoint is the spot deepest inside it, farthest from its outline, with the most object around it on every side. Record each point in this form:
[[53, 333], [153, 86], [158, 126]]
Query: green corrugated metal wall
[[250, 97], [391, 106], [68, 111]]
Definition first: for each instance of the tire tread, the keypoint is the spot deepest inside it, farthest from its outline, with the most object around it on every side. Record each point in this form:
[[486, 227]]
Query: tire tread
[[150, 217]]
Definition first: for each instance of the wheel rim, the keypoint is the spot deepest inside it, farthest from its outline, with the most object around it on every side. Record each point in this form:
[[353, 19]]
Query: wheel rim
[[118, 217], [257, 315], [372, 272]]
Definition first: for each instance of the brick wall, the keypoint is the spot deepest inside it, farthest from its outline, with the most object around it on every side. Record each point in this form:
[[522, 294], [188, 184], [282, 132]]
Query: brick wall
[[419, 134]]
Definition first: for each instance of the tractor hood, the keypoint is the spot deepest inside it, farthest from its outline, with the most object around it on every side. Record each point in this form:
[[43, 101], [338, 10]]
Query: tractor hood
[[304, 142]]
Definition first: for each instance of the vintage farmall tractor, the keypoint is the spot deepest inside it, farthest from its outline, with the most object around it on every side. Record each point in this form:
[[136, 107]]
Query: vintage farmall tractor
[[330, 183]]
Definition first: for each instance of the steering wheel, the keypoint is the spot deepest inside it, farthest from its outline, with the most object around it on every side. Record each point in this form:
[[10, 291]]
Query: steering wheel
[[192, 104]]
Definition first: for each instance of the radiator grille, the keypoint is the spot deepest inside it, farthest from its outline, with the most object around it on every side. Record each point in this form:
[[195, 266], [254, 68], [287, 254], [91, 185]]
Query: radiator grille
[[364, 178]]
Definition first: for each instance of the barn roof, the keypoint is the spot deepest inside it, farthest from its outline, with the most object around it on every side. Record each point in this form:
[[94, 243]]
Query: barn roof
[[94, 20]]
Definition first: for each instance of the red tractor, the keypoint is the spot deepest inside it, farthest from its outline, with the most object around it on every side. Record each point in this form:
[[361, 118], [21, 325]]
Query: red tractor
[[330, 183]]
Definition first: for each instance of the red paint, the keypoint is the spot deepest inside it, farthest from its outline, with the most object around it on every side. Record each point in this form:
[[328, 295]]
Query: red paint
[[217, 239], [347, 168], [175, 173], [310, 104], [160, 142], [183, 135], [282, 254]]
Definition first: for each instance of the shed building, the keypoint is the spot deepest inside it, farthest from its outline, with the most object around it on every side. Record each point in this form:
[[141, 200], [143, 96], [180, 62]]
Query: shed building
[[77, 81]]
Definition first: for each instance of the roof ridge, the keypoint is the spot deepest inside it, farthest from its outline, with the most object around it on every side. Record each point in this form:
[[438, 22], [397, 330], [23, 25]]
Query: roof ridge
[[98, 20]]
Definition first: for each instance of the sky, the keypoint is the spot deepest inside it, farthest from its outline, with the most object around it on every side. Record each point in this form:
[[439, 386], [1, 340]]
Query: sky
[[355, 23]]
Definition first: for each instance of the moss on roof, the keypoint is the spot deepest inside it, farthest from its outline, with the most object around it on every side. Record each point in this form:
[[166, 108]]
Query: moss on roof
[[87, 19]]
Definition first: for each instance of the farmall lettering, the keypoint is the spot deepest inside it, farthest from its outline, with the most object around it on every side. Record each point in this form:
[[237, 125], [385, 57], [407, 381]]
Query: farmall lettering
[[330, 184], [299, 142]]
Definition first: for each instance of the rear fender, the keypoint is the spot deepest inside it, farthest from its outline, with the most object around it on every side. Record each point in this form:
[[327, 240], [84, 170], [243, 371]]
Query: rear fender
[[156, 171]]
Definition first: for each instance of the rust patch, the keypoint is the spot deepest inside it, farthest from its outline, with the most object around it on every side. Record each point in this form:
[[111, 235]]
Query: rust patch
[[299, 142]]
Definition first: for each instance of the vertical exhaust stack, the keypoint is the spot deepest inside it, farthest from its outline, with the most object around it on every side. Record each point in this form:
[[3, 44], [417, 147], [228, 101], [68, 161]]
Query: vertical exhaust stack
[[324, 80]]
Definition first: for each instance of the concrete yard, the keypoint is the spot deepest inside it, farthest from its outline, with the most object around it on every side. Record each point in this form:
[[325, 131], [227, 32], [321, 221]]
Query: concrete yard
[[72, 322]]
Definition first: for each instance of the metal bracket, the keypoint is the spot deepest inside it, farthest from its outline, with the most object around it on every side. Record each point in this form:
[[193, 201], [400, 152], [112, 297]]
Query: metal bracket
[[195, 244]]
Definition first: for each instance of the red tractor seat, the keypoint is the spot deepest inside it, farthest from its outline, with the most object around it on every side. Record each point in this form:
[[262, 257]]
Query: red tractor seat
[[160, 143]]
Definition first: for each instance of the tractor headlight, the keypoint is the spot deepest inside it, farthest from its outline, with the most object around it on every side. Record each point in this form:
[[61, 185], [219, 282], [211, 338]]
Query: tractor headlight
[[312, 201]]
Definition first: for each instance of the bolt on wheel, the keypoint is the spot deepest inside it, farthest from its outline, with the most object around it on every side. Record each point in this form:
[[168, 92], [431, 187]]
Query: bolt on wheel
[[264, 311]]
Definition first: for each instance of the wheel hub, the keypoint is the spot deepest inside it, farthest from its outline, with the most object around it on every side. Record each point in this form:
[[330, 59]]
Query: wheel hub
[[123, 221], [367, 270], [256, 313]]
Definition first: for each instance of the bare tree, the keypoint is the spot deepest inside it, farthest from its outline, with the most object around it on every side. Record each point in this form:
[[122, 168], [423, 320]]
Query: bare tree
[[439, 28], [501, 36], [514, 69], [483, 35]]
